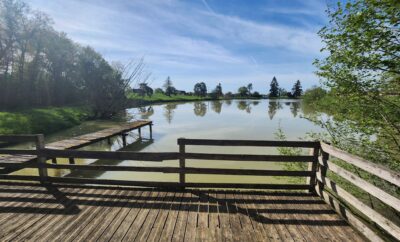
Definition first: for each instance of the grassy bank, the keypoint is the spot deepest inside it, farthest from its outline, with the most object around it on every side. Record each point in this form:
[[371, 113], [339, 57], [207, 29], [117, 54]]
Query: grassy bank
[[41, 120]]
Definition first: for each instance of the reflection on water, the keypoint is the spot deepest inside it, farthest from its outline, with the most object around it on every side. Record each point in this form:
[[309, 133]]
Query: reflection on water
[[199, 108], [169, 111], [228, 119], [273, 107]]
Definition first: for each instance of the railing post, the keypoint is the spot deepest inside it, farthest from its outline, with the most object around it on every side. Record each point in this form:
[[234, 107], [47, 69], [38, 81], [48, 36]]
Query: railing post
[[181, 144], [151, 130], [313, 168], [322, 170], [41, 160], [124, 139]]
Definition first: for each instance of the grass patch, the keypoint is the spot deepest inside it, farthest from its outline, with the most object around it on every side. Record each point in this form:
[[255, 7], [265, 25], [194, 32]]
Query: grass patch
[[42, 120]]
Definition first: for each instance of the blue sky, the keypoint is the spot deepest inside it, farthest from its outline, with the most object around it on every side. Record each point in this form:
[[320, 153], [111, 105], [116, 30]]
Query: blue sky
[[230, 42]]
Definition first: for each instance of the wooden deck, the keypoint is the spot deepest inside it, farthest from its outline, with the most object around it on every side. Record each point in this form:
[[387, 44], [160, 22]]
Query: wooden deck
[[78, 142], [30, 212]]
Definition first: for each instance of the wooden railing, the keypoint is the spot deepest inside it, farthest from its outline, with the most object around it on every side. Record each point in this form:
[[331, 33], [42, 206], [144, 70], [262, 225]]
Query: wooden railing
[[45, 154], [333, 194], [346, 204]]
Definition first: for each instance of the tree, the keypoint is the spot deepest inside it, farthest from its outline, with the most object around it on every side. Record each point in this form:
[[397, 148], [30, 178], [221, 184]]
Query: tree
[[217, 92], [297, 90], [169, 87], [250, 88], [274, 88], [362, 72], [159, 91], [243, 91], [200, 89]]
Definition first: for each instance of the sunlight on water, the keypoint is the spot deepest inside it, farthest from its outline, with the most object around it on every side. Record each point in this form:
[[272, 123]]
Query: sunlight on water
[[232, 119]]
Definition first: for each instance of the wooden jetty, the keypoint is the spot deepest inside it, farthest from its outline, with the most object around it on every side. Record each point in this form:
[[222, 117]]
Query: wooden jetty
[[46, 208], [77, 142]]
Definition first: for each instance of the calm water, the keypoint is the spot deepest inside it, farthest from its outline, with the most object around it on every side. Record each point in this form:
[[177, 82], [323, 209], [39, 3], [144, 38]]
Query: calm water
[[236, 119]]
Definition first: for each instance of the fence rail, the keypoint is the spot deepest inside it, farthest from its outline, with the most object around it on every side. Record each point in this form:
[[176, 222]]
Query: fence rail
[[346, 204], [323, 182]]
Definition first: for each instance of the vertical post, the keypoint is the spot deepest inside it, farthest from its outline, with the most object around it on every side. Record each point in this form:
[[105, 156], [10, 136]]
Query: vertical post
[[151, 130], [41, 160], [54, 160], [71, 161], [323, 169], [124, 139], [109, 141], [313, 168], [181, 144], [140, 132]]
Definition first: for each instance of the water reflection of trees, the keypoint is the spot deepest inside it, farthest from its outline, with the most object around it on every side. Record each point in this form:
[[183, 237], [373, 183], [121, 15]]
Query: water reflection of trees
[[228, 102], [273, 107], [200, 109], [294, 108], [216, 106], [169, 111], [244, 105], [146, 112]]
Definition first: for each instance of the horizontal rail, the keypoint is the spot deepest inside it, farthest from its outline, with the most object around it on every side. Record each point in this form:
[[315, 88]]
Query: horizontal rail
[[375, 169], [187, 170], [374, 216], [263, 143], [364, 185], [158, 184], [111, 155], [159, 156], [241, 157], [18, 138], [348, 215]]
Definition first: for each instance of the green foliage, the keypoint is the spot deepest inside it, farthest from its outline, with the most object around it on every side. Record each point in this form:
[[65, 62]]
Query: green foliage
[[200, 89], [362, 71], [274, 88], [297, 90], [41, 120], [243, 91], [161, 97], [42, 67], [169, 88], [217, 92]]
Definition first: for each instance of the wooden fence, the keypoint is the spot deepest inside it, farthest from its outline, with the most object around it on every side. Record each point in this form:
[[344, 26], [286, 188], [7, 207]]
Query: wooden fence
[[318, 161]]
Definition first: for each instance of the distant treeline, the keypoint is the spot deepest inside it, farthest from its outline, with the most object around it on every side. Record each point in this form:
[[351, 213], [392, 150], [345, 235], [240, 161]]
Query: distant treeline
[[200, 90], [42, 67]]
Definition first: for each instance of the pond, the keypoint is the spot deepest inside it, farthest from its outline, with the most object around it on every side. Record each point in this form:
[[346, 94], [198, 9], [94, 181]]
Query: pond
[[228, 119]]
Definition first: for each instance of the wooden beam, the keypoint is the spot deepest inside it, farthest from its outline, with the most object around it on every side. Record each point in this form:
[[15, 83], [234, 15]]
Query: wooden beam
[[378, 170], [346, 214], [182, 179], [157, 184], [243, 157], [18, 138], [366, 186], [374, 216], [41, 159], [211, 142]]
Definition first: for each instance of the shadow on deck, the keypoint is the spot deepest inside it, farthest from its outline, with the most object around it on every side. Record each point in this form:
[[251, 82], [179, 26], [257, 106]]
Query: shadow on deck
[[29, 211]]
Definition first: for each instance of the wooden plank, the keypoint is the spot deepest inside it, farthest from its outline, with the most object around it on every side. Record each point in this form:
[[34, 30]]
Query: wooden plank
[[191, 225], [129, 219], [234, 220], [223, 215], [25, 226], [244, 217], [366, 186], [272, 143], [18, 138], [376, 169], [243, 157], [141, 217], [346, 214], [178, 230], [168, 232], [155, 233], [374, 216]]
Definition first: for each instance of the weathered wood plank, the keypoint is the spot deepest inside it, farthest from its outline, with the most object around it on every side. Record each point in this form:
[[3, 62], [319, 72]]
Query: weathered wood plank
[[272, 143], [366, 186], [376, 169], [243, 157], [381, 221]]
